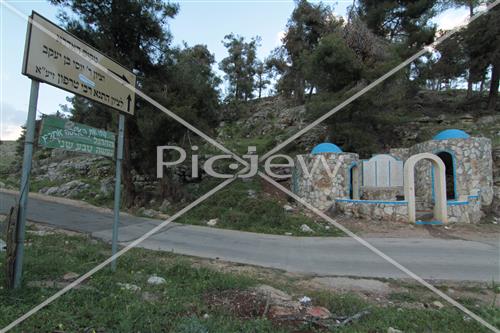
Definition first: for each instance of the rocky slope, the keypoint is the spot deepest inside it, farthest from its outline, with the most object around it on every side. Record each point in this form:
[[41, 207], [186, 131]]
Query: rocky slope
[[264, 124]]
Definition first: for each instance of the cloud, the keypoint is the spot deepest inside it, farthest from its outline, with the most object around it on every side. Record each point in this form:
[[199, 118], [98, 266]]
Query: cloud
[[11, 120], [9, 132]]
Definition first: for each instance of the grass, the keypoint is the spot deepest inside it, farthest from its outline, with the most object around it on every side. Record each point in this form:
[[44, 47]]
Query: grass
[[236, 209], [179, 305]]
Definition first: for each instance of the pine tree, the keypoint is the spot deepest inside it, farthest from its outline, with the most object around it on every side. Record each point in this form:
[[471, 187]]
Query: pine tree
[[240, 65]]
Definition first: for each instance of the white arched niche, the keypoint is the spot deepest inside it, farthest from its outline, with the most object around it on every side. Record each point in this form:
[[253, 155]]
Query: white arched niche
[[440, 212]]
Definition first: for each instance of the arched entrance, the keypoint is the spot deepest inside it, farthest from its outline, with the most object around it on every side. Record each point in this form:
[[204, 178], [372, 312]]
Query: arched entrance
[[449, 165], [354, 182], [440, 211]]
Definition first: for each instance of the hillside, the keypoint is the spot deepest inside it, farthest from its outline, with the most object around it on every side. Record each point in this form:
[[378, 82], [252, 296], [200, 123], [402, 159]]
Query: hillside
[[262, 123]]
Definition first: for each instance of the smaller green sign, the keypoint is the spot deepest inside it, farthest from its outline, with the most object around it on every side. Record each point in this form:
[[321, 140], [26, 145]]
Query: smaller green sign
[[62, 133]]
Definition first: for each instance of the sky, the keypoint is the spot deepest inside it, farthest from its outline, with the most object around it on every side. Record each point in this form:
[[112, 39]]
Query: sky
[[198, 22]]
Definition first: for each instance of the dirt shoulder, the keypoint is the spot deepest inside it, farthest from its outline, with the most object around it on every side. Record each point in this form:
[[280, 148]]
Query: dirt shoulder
[[483, 232]]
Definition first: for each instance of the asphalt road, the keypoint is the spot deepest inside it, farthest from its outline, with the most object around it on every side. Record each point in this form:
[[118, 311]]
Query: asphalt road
[[439, 259]]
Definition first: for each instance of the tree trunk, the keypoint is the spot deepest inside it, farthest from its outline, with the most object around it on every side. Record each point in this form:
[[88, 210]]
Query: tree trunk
[[469, 77], [128, 184], [299, 91], [469, 86], [495, 77]]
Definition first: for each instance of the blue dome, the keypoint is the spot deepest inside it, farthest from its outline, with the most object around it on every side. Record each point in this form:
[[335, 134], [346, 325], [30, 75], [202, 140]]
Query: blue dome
[[326, 147], [451, 134]]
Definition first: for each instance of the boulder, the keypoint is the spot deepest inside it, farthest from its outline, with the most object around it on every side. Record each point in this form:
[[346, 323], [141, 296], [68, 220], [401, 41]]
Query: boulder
[[149, 213], [165, 205], [156, 280], [212, 222], [306, 228], [107, 186], [393, 330]]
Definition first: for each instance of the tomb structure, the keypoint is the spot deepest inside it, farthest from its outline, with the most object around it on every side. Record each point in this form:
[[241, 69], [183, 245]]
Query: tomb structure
[[446, 179]]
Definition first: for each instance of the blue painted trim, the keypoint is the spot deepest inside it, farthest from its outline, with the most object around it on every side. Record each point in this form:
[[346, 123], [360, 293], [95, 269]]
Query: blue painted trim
[[429, 222], [460, 203], [456, 203], [388, 202]]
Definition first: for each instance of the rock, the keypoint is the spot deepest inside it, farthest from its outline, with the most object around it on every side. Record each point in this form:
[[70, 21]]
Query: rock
[[327, 227], [149, 212], [288, 208], [305, 300], [305, 228], [437, 304], [70, 276], [165, 205], [206, 316], [212, 222], [156, 280], [107, 186], [129, 286], [318, 312], [252, 194], [393, 330], [275, 295], [2, 245], [49, 190], [68, 189], [288, 234], [467, 118], [2, 185]]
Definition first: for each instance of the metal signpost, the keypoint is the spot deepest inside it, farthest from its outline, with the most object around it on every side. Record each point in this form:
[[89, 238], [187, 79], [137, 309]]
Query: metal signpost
[[58, 58]]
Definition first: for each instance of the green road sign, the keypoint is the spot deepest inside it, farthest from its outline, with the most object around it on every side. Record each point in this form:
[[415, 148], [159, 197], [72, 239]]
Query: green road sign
[[62, 133]]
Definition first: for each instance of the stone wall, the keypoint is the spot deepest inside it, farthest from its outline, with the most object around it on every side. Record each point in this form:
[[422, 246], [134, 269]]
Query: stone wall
[[473, 167], [375, 210], [468, 211], [495, 207], [320, 189]]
